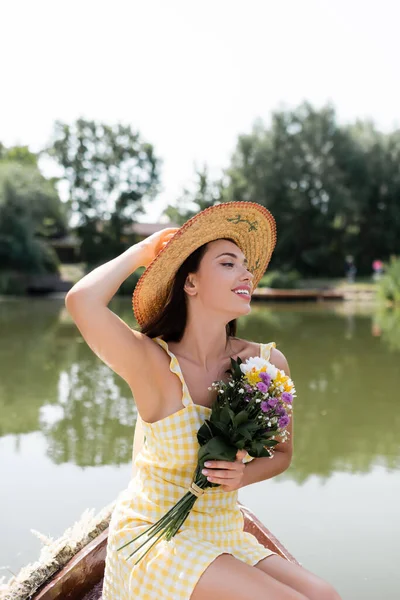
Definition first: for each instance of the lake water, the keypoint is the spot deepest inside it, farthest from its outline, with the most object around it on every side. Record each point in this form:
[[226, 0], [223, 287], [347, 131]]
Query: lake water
[[67, 423]]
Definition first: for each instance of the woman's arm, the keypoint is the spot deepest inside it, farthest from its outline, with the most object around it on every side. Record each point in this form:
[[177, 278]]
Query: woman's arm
[[110, 338], [127, 352]]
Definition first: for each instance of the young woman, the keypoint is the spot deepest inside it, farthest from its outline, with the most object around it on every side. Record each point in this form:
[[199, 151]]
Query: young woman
[[198, 281]]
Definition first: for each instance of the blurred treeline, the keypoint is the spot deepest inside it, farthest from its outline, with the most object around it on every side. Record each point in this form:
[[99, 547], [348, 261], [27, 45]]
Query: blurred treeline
[[333, 189]]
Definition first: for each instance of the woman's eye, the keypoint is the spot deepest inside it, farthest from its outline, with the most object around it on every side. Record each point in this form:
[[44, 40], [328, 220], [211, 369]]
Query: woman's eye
[[231, 264]]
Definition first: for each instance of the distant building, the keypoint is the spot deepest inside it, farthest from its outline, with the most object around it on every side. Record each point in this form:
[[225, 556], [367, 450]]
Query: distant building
[[68, 247], [143, 230]]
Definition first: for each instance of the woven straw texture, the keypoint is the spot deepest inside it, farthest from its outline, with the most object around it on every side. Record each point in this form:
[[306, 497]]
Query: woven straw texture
[[249, 224], [165, 467]]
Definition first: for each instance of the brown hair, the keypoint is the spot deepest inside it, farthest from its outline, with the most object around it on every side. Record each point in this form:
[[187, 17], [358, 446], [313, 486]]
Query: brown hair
[[170, 323]]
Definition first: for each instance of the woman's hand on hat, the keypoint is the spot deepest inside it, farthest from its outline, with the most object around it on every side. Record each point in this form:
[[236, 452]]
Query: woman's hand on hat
[[153, 244]]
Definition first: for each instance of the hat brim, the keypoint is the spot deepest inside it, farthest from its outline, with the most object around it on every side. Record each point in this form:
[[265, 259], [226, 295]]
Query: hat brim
[[250, 225]]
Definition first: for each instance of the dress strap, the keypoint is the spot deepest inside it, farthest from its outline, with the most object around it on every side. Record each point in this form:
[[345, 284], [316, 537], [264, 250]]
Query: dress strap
[[176, 368], [265, 350]]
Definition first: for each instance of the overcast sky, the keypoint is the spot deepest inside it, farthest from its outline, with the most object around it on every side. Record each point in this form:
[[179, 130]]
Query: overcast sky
[[191, 76]]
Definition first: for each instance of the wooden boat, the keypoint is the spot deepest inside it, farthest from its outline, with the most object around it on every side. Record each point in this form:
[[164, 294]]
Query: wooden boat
[[82, 577]]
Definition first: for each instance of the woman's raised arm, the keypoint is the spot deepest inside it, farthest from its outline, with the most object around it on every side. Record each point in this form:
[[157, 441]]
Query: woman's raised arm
[[125, 351]]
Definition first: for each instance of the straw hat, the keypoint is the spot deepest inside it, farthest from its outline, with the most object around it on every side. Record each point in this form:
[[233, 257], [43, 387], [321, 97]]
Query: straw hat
[[250, 225]]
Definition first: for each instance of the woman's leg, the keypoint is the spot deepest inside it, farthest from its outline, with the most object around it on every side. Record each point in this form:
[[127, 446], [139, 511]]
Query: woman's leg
[[298, 578], [228, 578]]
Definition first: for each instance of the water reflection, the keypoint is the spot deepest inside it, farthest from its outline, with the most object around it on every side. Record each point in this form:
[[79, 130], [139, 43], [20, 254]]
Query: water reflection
[[67, 424], [346, 413]]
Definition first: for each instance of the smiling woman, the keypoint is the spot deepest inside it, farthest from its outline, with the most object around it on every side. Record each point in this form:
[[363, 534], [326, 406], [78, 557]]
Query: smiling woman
[[187, 302]]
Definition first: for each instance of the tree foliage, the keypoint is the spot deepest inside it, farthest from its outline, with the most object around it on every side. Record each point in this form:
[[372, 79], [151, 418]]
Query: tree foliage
[[30, 212], [333, 190], [109, 171]]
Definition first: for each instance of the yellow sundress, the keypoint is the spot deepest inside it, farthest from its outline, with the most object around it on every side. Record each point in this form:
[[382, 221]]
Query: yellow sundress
[[164, 469]]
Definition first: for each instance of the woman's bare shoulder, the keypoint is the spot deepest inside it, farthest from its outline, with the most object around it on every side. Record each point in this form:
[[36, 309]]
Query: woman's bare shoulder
[[277, 357]]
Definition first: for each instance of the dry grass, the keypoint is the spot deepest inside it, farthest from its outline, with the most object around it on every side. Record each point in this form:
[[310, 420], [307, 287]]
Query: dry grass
[[55, 554]]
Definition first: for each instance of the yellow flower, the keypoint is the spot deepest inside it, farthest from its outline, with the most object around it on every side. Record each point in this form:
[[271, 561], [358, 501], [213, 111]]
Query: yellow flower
[[253, 376], [280, 379]]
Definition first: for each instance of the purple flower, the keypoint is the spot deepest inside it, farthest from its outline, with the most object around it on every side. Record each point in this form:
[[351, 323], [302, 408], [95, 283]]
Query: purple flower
[[247, 398], [283, 421], [264, 406], [248, 388], [266, 378], [272, 402], [262, 387], [287, 397], [280, 410]]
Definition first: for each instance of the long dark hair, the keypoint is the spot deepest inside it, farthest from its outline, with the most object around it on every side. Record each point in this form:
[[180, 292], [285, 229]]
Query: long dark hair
[[170, 323]]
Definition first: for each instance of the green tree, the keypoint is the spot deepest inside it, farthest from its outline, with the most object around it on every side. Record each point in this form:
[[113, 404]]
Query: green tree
[[30, 212], [292, 170], [372, 165], [110, 171], [205, 193], [19, 154], [333, 190]]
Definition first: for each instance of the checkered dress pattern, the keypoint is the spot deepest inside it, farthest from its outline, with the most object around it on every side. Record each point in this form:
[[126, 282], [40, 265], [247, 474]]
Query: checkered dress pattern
[[165, 467]]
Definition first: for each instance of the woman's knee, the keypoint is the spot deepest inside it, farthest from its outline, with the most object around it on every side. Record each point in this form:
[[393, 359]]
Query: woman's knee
[[229, 578], [299, 578], [322, 590]]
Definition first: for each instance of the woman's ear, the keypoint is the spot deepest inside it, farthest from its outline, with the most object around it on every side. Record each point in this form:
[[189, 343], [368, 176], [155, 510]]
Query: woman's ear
[[189, 286]]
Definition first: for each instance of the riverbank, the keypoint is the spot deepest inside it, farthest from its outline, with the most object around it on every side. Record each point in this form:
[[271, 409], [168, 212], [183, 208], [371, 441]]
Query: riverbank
[[307, 289]]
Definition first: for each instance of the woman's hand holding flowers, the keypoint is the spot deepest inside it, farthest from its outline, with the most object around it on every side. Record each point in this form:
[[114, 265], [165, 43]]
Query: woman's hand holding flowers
[[226, 473]]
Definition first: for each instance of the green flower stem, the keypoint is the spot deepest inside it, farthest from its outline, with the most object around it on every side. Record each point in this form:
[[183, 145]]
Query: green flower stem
[[151, 528], [148, 549], [181, 521], [182, 517], [167, 523]]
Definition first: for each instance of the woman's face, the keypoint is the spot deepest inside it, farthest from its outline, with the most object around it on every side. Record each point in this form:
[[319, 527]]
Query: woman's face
[[223, 269]]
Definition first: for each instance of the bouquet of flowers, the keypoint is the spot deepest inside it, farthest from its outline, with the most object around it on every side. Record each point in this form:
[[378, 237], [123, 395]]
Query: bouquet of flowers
[[250, 411]]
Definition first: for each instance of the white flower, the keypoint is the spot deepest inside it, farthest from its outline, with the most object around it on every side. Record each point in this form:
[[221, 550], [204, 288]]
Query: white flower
[[231, 384], [254, 362], [241, 391], [272, 370], [258, 363]]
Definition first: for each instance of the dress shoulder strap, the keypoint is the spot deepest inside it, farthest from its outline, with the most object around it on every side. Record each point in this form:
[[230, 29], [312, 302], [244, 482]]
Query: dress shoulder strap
[[175, 368], [266, 350]]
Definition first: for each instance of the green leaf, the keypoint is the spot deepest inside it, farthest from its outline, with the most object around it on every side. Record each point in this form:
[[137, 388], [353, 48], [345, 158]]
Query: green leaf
[[204, 432], [241, 417], [236, 368], [270, 443], [226, 415], [217, 449]]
